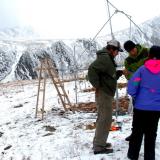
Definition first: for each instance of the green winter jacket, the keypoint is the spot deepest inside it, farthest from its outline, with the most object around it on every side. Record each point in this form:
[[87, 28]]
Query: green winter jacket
[[102, 72], [133, 63]]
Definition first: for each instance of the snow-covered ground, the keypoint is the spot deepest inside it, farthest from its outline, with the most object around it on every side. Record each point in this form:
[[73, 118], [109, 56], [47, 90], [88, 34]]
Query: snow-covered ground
[[60, 136]]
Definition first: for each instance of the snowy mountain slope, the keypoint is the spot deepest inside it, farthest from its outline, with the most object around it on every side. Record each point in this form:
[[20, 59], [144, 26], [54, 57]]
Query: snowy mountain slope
[[65, 58], [20, 56], [7, 54]]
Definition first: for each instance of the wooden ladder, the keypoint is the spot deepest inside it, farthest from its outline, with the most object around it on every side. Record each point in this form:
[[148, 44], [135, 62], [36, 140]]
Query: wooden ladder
[[49, 69]]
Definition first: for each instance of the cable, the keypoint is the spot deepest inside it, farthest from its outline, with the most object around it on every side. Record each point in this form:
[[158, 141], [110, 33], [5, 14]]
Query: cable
[[100, 30], [110, 19], [129, 17]]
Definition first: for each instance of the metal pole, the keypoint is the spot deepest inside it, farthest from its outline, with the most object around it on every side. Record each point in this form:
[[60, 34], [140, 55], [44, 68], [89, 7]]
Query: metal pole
[[75, 74], [130, 30], [117, 97], [110, 20], [62, 69], [39, 83]]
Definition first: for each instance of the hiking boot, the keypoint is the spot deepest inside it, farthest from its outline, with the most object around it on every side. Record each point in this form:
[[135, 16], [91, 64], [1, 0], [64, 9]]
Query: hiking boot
[[103, 151], [131, 157], [108, 145], [128, 138]]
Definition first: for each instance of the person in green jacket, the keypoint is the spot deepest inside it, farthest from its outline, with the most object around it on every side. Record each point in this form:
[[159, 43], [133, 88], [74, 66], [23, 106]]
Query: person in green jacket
[[102, 75], [137, 56]]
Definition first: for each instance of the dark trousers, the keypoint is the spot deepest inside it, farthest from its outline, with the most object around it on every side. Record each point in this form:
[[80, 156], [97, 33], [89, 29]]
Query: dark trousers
[[104, 119], [144, 123]]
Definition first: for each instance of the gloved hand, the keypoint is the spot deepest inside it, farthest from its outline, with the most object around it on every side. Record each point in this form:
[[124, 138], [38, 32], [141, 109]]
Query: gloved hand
[[119, 73]]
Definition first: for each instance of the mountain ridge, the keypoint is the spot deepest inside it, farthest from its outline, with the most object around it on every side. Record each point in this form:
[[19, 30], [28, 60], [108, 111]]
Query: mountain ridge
[[20, 56]]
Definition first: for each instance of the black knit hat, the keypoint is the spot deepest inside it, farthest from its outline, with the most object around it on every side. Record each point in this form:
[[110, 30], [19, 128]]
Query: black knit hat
[[154, 52], [129, 45]]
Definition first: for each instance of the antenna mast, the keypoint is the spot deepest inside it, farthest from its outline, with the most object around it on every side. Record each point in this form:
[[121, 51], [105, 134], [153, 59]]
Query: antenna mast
[[110, 22]]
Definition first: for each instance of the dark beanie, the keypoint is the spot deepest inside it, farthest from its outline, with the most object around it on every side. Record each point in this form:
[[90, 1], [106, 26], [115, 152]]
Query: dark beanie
[[154, 52], [129, 45]]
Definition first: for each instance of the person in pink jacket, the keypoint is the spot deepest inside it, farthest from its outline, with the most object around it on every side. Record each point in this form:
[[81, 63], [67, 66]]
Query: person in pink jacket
[[144, 88]]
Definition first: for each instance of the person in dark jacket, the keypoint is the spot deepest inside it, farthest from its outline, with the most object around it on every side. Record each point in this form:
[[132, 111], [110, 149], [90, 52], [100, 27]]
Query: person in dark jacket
[[137, 55], [102, 76], [144, 87]]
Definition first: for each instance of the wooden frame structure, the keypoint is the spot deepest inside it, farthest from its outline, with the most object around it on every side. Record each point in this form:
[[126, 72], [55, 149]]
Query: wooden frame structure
[[48, 69]]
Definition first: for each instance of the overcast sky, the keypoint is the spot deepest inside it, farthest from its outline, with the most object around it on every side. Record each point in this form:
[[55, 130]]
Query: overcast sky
[[74, 18]]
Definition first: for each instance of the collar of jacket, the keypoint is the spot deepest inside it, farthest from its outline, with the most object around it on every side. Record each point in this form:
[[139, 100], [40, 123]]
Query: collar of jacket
[[153, 65], [105, 51]]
